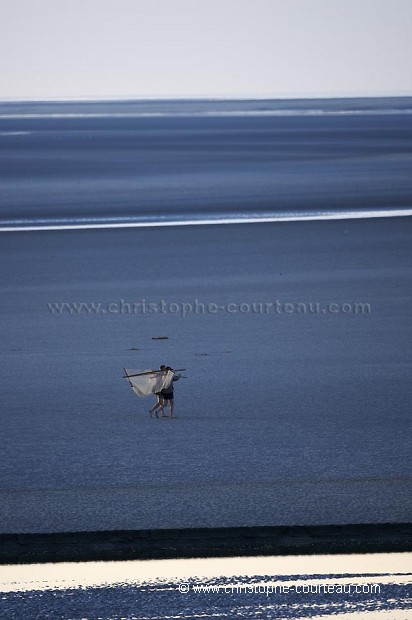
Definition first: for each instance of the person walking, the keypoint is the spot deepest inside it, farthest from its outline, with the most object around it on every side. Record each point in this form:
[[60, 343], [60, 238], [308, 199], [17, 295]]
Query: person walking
[[168, 395], [159, 395]]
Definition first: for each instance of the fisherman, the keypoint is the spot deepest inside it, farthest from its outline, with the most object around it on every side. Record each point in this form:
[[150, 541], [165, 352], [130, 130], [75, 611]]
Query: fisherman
[[168, 396], [160, 400]]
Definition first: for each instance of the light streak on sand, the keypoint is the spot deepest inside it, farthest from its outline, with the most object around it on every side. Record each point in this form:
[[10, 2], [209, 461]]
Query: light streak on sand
[[94, 223], [382, 568]]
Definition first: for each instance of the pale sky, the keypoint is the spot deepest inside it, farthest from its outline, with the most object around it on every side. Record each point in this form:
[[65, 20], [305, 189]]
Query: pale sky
[[211, 48]]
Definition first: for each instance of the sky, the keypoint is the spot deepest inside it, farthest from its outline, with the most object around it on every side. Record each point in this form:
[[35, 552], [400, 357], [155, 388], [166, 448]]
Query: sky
[[103, 49]]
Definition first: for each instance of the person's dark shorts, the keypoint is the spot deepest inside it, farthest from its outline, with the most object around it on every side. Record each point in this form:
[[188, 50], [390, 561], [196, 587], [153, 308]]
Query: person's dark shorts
[[168, 396]]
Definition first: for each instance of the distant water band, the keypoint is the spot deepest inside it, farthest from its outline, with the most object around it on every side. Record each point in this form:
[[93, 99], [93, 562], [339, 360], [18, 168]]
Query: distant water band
[[21, 225]]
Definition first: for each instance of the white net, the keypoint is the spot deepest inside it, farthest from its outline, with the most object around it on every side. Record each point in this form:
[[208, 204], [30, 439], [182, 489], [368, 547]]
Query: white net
[[146, 382]]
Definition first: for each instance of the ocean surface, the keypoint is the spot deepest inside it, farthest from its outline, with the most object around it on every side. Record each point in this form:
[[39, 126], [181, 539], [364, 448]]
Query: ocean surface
[[285, 417], [107, 162], [256, 597], [351, 588], [291, 413]]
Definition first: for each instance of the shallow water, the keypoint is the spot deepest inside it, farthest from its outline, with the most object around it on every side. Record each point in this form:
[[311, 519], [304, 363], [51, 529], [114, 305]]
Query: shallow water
[[115, 162], [342, 586]]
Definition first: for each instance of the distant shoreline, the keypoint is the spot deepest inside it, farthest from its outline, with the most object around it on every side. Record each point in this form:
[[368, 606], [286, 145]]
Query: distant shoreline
[[205, 542], [208, 107], [151, 98]]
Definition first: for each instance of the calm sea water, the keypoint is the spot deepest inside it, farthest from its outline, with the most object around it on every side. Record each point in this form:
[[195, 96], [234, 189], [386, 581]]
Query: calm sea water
[[68, 162], [111, 162], [380, 597]]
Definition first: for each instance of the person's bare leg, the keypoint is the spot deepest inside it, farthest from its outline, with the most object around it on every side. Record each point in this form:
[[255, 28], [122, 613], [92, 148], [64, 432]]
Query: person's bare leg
[[162, 404], [155, 406], [172, 406], [158, 406], [164, 415]]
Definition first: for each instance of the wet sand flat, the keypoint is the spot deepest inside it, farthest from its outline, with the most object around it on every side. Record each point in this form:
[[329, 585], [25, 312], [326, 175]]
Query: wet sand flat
[[286, 416]]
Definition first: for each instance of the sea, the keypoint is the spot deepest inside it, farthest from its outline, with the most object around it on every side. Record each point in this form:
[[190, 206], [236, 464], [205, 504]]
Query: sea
[[94, 163], [82, 595], [68, 164]]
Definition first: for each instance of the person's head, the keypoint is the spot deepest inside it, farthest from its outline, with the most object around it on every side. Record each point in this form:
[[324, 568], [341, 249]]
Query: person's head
[[163, 367], [169, 368]]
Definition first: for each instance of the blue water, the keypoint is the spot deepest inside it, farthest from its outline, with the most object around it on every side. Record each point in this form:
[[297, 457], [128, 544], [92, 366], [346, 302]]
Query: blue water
[[149, 161], [154, 601]]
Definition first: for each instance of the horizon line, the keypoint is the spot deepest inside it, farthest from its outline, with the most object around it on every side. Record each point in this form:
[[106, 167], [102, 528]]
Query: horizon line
[[238, 97]]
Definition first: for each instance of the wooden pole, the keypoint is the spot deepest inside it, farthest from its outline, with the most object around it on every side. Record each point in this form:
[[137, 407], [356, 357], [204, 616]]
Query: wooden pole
[[149, 372], [126, 376]]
